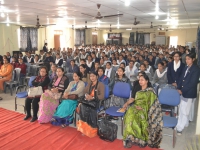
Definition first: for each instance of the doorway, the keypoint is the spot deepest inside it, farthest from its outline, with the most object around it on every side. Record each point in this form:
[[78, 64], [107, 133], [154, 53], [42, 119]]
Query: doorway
[[173, 41], [56, 41], [94, 39]]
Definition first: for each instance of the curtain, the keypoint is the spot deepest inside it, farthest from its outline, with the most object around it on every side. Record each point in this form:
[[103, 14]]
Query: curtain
[[146, 38], [79, 37], [34, 38], [23, 38], [28, 38]]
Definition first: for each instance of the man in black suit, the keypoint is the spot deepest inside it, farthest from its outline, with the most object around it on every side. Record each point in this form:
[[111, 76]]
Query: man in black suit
[[45, 49]]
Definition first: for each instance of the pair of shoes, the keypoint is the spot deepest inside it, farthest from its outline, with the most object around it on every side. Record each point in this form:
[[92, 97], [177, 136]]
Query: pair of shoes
[[179, 132], [33, 119], [27, 117]]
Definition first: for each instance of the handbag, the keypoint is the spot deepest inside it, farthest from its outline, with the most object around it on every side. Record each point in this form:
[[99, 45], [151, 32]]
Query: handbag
[[35, 91], [107, 130], [73, 96], [92, 103]]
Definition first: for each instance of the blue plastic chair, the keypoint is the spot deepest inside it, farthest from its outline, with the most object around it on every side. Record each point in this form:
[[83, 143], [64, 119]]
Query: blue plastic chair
[[170, 97], [121, 89], [23, 94]]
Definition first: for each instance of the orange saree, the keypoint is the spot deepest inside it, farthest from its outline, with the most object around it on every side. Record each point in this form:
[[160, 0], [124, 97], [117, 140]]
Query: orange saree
[[5, 74]]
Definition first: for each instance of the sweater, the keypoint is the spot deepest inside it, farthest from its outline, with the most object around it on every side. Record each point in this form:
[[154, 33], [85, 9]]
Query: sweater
[[79, 90]]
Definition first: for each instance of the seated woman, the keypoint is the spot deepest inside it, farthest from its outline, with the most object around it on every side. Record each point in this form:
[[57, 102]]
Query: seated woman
[[84, 73], [88, 114], [121, 77], [143, 120], [58, 60], [160, 77], [101, 77], [49, 100], [52, 72], [64, 113], [41, 80], [144, 69], [5, 73]]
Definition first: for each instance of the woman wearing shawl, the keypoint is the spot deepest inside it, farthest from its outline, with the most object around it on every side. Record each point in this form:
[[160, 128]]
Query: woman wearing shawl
[[143, 120], [64, 113], [88, 114], [49, 100]]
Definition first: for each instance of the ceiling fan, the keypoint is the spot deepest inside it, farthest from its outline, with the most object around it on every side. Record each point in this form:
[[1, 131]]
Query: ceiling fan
[[99, 16], [151, 25], [136, 22], [110, 28], [41, 26]]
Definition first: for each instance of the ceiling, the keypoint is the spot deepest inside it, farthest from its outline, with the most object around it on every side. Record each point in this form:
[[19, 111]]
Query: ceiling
[[177, 13]]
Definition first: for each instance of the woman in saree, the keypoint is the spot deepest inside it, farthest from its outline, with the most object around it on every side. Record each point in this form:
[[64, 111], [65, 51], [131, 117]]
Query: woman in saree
[[64, 113], [94, 92], [143, 120], [49, 100], [5, 73]]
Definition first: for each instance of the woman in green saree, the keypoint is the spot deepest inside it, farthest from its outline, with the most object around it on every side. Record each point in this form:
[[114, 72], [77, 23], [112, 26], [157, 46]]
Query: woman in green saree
[[143, 120]]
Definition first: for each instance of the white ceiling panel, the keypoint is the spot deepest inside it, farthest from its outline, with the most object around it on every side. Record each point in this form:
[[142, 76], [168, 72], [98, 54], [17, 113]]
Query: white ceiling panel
[[186, 12]]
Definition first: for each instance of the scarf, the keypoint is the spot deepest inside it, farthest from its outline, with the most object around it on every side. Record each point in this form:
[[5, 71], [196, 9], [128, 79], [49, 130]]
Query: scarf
[[74, 87], [176, 66], [41, 79], [160, 75]]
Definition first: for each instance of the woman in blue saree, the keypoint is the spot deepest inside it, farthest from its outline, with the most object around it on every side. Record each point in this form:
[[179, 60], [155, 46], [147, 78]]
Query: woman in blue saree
[[64, 113]]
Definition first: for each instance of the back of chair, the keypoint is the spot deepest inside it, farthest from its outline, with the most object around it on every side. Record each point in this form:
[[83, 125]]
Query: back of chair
[[13, 75], [122, 89], [70, 76], [107, 91], [17, 75], [30, 81], [169, 97]]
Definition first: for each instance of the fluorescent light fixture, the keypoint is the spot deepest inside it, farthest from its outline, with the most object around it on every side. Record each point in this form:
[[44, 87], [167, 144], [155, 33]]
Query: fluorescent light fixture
[[156, 17], [18, 19], [157, 13], [127, 2], [2, 15], [128, 29]]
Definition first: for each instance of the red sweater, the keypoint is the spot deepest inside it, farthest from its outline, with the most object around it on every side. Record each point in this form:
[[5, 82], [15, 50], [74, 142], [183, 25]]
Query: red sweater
[[23, 68], [15, 64]]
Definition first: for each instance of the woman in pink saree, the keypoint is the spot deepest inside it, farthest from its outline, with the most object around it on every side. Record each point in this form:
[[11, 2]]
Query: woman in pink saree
[[49, 100]]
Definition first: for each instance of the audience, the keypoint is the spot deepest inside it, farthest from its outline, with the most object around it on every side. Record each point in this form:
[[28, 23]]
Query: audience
[[187, 87], [175, 70], [101, 77], [49, 100], [96, 66], [73, 67], [88, 114], [41, 80], [138, 118], [64, 113], [5, 73]]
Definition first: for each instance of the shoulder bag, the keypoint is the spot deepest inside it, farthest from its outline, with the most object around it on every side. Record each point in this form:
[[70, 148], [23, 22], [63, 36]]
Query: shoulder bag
[[35, 91]]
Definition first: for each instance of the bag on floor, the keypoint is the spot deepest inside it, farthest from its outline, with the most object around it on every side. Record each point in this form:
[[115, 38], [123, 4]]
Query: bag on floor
[[107, 130]]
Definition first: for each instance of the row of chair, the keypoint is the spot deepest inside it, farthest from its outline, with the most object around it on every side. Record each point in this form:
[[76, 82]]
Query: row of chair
[[166, 96]]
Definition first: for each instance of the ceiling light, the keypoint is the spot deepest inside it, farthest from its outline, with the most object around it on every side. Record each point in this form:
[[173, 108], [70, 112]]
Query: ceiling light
[[128, 29], [156, 17], [127, 2], [2, 15], [8, 24]]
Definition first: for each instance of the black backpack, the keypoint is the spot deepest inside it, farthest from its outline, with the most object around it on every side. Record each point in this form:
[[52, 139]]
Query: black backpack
[[107, 130]]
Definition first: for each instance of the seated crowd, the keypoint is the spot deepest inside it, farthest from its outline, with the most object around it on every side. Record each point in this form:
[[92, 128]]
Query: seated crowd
[[146, 70]]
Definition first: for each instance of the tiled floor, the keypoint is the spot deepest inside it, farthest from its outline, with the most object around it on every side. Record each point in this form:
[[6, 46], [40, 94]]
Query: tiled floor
[[188, 134]]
